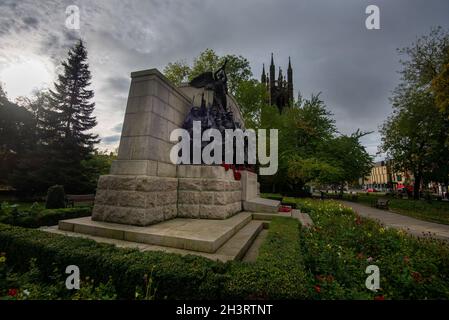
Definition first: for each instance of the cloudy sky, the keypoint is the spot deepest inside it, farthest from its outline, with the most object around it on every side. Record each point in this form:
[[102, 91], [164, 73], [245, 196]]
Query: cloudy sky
[[332, 52]]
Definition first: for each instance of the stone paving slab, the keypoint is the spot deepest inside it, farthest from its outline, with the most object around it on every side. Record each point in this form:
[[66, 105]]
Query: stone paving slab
[[303, 217], [413, 226], [261, 205], [204, 235], [234, 249]]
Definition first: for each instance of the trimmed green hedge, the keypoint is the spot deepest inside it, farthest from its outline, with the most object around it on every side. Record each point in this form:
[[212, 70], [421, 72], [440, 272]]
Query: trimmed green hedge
[[47, 217], [279, 270], [175, 276], [277, 274]]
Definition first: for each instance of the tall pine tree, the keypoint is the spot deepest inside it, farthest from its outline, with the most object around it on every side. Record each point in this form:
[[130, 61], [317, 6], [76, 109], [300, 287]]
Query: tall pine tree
[[64, 123], [71, 104], [71, 119]]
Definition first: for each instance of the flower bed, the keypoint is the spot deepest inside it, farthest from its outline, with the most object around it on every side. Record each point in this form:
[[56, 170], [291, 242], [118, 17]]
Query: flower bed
[[341, 245]]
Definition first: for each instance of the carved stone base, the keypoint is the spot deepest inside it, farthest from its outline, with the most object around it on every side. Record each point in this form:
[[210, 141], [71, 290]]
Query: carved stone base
[[208, 192], [135, 200]]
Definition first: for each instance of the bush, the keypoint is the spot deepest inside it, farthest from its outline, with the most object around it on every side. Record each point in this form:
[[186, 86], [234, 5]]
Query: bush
[[55, 197], [31, 285], [272, 196], [35, 218], [174, 276], [278, 272], [289, 202]]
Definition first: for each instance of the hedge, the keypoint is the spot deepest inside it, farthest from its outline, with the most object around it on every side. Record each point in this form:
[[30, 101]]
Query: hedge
[[46, 217], [277, 274], [175, 276], [279, 271]]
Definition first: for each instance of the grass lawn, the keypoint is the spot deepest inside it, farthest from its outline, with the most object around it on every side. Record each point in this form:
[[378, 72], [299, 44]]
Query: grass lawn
[[436, 211]]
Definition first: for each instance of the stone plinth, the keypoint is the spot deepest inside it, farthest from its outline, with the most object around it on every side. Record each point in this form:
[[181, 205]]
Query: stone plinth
[[207, 192], [136, 200], [249, 185], [142, 186]]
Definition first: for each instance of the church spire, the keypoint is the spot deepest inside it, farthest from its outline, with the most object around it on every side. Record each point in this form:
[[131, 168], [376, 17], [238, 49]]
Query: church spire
[[280, 78], [263, 79], [290, 81]]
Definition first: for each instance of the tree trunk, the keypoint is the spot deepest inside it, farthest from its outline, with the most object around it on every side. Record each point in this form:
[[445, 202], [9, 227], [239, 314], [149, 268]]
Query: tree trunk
[[416, 186]]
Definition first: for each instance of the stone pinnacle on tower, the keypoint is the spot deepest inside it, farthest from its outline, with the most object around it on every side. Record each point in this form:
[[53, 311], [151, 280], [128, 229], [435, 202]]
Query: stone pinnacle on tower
[[290, 81], [264, 77]]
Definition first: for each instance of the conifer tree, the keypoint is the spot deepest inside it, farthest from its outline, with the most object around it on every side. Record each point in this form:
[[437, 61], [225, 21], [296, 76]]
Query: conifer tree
[[71, 105]]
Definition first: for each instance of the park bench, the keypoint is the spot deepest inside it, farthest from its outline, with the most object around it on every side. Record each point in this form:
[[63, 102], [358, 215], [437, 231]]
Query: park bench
[[71, 199], [381, 204]]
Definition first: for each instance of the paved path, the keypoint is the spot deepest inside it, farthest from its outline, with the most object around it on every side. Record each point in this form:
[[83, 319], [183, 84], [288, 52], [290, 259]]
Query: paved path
[[411, 225]]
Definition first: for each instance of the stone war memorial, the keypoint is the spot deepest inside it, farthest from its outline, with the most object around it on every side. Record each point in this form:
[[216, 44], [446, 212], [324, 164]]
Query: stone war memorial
[[148, 202]]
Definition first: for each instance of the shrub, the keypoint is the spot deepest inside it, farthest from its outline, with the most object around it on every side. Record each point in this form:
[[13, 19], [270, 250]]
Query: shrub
[[289, 202], [174, 276], [30, 285], [55, 197], [272, 196], [278, 272], [34, 218]]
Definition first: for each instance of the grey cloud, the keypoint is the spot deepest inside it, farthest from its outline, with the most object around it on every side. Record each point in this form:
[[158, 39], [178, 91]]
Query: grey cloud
[[31, 21], [331, 50], [110, 139], [118, 127]]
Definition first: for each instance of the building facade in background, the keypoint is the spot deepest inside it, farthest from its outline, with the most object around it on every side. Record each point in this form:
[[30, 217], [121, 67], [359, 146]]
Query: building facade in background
[[280, 91], [383, 178]]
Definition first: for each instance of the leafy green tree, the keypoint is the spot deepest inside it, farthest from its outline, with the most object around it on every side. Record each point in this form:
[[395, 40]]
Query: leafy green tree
[[251, 96], [347, 154], [16, 135], [237, 68], [95, 166], [440, 87], [415, 136], [177, 72]]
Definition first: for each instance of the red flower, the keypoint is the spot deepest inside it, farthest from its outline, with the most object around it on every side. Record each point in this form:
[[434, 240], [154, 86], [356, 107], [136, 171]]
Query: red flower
[[237, 175], [417, 276], [381, 297], [285, 209], [317, 289], [226, 166], [12, 292]]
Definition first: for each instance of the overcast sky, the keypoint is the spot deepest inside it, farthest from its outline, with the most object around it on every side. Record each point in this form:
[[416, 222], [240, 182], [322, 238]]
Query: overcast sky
[[331, 51]]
